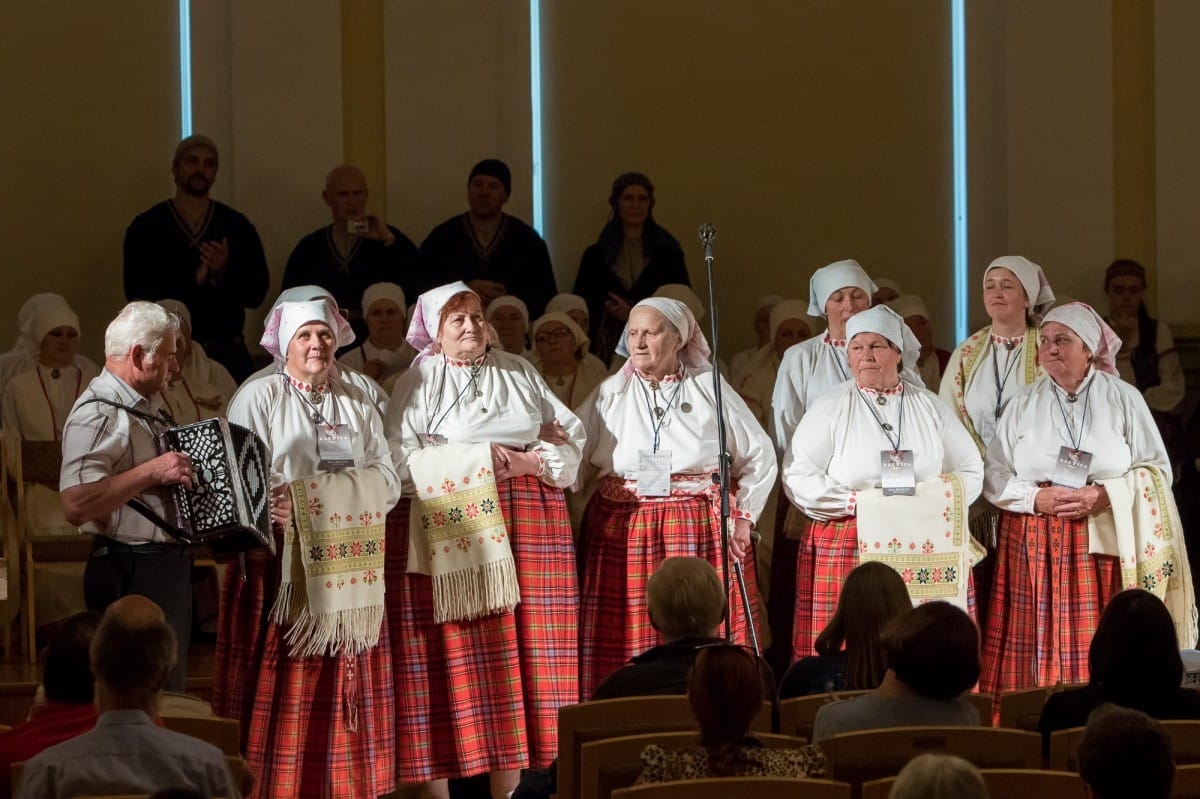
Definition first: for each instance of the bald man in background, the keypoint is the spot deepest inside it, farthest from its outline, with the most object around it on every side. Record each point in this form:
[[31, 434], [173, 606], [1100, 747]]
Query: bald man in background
[[356, 251]]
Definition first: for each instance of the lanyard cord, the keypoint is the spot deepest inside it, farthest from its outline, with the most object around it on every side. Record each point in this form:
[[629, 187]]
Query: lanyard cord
[[473, 380], [658, 415], [884, 426], [1076, 443], [53, 416], [317, 417], [1013, 357]]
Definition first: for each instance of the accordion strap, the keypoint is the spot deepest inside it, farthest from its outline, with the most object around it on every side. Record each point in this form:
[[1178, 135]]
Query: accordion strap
[[165, 421]]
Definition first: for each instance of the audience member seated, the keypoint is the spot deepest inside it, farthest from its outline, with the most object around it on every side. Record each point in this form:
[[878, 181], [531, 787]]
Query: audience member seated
[[509, 317], [1133, 662], [762, 334], [932, 660], [24, 354], [850, 653], [202, 388], [938, 776], [131, 654], [68, 710], [560, 353], [725, 692], [383, 354], [1124, 753], [357, 250], [487, 249]]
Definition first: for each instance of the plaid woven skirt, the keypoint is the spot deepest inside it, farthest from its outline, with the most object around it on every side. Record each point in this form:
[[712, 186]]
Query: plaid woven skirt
[[623, 543], [311, 727], [828, 552], [483, 695], [1047, 596]]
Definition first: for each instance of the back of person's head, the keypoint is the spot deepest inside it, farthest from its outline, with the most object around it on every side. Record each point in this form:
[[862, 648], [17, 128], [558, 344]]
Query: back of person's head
[[938, 776], [934, 650], [1125, 754], [144, 323], [132, 652], [178, 793], [872, 596], [1135, 651], [725, 691], [67, 672], [685, 598]]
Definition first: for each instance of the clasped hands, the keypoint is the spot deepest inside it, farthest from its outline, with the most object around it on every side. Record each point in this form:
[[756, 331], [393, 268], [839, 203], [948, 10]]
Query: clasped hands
[[1071, 503]]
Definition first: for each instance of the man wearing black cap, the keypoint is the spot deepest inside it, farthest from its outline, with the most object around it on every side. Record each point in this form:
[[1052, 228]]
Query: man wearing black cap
[[490, 251], [201, 252]]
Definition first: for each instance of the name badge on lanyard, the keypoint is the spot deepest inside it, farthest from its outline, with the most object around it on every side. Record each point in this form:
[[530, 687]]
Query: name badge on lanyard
[[897, 474], [1071, 470], [654, 473], [333, 447]]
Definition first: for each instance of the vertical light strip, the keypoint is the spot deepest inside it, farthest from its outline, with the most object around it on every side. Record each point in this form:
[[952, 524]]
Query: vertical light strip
[[535, 108], [185, 68], [958, 82]]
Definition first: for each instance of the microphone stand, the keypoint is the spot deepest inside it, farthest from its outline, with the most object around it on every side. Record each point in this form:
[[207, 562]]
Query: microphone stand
[[707, 234]]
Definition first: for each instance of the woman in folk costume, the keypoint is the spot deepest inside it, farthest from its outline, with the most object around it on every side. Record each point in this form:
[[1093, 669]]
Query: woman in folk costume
[[787, 325], [35, 406], [25, 352], [652, 442], [1081, 478], [482, 594], [762, 332], [885, 472], [510, 318], [836, 292], [202, 388], [560, 350], [384, 355], [306, 665], [576, 307]]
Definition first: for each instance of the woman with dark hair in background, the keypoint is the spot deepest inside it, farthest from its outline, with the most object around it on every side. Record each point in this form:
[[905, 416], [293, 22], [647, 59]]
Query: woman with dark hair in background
[[632, 257], [850, 654], [1134, 662], [726, 692]]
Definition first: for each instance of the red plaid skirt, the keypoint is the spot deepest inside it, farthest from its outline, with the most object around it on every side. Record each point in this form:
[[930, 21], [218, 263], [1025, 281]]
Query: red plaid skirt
[[483, 695], [623, 543], [311, 727], [1047, 596], [828, 552]]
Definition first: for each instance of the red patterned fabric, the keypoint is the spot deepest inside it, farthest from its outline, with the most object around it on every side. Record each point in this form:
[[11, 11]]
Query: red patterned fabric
[[623, 543], [1047, 596], [483, 695], [828, 552], [316, 726]]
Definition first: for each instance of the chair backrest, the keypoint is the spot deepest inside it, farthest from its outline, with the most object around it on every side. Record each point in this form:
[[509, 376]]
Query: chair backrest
[[1187, 782], [1064, 749], [857, 757], [796, 715], [1184, 735], [1017, 783], [220, 732], [983, 703], [41, 462], [1021, 710], [750, 787], [611, 763], [614, 718]]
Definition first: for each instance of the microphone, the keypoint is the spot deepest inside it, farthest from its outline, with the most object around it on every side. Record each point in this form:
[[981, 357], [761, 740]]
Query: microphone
[[708, 234]]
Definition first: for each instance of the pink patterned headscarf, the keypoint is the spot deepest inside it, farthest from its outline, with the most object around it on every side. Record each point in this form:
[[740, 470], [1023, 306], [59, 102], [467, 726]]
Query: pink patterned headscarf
[[427, 317], [695, 352], [1097, 336], [288, 317]]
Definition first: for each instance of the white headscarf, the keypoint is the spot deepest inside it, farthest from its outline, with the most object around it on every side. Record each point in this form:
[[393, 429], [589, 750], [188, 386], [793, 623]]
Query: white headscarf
[[427, 317], [384, 291], [695, 352], [49, 315], [288, 317], [837, 275], [509, 301], [783, 311], [581, 338], [889, 324], [684, 294], [1033, 280], [767, 301], [1097, 336], [302, 294], [909, 305], [561, 303], [888, 283], [26, 341]]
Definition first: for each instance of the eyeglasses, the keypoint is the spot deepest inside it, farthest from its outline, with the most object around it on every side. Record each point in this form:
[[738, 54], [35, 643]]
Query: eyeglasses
[[552, 335]]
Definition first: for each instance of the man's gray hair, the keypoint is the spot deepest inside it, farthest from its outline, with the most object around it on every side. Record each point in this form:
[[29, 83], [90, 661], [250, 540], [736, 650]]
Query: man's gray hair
[[685, 598], [144, 323]]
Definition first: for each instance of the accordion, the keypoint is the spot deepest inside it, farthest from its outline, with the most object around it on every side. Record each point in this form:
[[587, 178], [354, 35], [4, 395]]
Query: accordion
[[228, 506]]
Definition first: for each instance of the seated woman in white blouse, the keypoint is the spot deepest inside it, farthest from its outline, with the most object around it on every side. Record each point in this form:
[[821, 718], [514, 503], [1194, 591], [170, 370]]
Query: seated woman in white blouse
[[35, 405], [874, 464], [384, 355], [202, 388]]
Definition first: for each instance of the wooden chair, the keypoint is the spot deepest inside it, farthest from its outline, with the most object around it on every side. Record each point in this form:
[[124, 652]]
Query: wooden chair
[[1187, 782], [796, 715], [983, 703], [1021, 710], [858, 757], [1016, 783], [611, 763], [728, 787], [1184, 735], [220, 732], [614, 718]]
